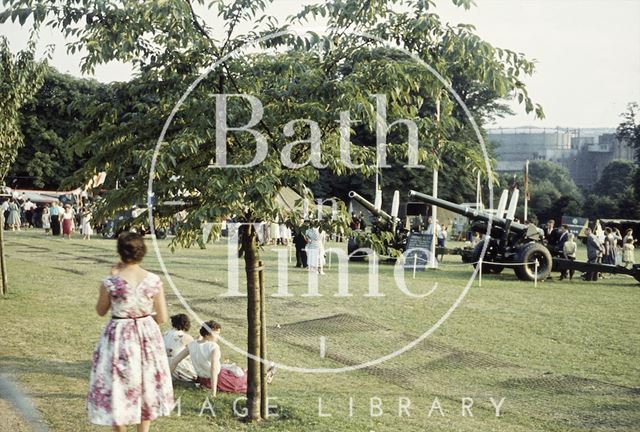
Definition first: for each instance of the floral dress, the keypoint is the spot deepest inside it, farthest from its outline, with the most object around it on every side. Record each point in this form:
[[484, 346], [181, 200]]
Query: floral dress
[[130, 378]]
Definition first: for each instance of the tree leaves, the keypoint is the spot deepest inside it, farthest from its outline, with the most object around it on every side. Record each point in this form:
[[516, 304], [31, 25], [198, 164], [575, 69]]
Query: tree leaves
[[20, 78]]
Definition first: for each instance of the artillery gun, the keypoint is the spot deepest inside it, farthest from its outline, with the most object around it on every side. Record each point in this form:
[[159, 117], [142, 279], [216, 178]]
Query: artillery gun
[[509, 242], [386, 225]]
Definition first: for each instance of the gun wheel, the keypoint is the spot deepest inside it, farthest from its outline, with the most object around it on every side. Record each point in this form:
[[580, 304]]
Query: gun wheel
[[529, 253], [487, 266]]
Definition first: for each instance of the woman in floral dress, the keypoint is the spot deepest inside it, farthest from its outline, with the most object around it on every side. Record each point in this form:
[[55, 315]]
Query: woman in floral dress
[[130, 378]]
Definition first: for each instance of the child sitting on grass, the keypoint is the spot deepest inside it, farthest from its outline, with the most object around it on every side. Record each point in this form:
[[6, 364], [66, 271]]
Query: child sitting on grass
[[175, 341], [211, 374]]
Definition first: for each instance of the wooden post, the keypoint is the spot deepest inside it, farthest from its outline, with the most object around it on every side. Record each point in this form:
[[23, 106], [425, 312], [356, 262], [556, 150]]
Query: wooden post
[[253, 322], [4, 280], [434, 210], [264, 406], [434, 223], [415, 263]]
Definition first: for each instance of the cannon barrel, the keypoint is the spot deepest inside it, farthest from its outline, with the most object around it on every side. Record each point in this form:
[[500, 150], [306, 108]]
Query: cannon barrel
[[372, 208], [466, 211]]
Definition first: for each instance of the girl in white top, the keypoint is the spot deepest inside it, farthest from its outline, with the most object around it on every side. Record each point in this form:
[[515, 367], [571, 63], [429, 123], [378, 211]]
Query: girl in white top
[[321, 251], [175, 341], [46, 220], [628, 257], [87, 229], [205, 356], [315, 249]]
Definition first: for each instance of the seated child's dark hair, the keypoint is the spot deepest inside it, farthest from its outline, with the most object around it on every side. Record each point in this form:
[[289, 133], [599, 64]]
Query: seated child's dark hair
[[204, 331], [131, 247], [180, 322]]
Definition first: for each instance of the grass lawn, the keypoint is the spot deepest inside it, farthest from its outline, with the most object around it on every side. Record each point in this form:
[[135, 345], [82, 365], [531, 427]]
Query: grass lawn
[[564, 356]]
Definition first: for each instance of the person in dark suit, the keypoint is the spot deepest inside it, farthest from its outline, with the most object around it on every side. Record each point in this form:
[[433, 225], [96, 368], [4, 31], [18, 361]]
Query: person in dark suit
[[563, 236], [594, 250], [550, 232], [300, 242]]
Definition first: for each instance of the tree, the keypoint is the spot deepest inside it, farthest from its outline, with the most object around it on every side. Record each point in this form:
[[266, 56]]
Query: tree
[[48, 123], [553, 193], [20, 77], [629, 131], [170, 45], [613, 195], [614, 177]]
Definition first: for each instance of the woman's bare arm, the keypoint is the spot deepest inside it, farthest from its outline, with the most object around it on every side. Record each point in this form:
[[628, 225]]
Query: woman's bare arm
[[177, 359], [104, 301], [160, 307], [215, 370]]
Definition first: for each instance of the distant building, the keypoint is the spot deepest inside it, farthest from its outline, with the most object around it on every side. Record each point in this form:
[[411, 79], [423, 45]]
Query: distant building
[[584, 152]]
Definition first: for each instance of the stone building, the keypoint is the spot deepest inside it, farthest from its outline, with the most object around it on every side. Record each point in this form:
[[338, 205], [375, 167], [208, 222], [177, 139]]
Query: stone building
[[584, 152]]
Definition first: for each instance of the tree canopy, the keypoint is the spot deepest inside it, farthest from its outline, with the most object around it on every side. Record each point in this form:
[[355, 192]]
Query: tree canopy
[[20, 77], [49, 123]]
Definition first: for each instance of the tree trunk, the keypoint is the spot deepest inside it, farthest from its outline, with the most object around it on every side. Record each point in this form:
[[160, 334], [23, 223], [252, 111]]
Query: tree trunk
[[4, 279], [251, 258], [264, 406]]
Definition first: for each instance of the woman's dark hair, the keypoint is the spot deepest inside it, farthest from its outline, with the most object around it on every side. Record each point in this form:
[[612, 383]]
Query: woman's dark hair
[[608, 230], [204, 331], [180, 322], [131, 247]]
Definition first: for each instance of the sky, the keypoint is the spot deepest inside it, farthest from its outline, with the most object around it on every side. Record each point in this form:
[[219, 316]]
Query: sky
[[587, 53]]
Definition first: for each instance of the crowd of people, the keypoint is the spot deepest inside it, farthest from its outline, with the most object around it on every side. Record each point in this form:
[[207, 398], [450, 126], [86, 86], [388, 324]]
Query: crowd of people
[[53, 218], [309, 240], [607, 247]]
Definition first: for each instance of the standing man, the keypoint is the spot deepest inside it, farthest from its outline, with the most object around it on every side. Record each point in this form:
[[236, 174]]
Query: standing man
[[4, 208], [55, 219], [563, 236], [550, 233], [28, 208], [300, 242], [594, 250]]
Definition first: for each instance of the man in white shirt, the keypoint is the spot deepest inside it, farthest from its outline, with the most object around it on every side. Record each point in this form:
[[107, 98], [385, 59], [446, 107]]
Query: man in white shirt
[[4, 212], [28, 208]]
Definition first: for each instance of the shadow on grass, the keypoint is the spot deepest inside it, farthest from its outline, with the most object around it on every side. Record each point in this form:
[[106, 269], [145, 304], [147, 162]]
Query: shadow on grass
[[570, 384], [76, 369]]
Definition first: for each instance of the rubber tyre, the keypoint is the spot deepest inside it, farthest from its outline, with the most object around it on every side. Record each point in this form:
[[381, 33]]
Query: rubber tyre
[[487, 267], [529, 253]]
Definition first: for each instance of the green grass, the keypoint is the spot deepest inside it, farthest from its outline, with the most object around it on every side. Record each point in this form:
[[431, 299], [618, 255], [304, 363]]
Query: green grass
[[564, 355]]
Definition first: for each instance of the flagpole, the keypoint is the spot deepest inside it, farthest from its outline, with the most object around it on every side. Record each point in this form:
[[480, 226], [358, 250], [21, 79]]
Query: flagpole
[[526, 190], [478, 192]]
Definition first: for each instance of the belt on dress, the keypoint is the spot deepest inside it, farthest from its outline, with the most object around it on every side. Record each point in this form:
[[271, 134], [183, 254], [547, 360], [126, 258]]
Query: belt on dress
[[129, 318]]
